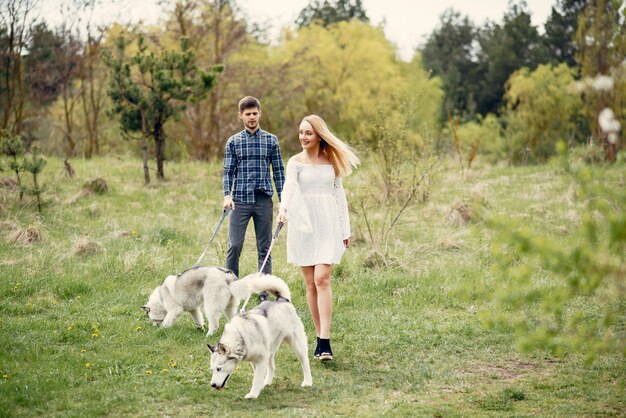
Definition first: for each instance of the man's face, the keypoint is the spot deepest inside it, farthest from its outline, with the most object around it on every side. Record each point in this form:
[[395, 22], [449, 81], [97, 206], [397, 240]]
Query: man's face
[[250, 118]]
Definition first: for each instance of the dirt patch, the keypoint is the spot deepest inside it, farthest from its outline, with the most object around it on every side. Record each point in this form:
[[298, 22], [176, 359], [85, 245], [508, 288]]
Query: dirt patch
[[460, 214], [504, 371], [86, 246], [97, 186], [26, 236], [8, 183]]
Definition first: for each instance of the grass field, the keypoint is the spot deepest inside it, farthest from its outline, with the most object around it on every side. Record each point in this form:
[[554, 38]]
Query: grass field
[[408, 342]]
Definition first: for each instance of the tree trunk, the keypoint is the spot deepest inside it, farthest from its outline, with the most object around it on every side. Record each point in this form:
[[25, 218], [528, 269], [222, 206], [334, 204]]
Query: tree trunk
[[144, 148], [159, 141]]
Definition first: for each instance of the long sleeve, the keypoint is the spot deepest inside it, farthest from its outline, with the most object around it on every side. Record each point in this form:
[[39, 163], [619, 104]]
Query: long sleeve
[[278, 170], [292, 201], [342, 208], [230, 167]]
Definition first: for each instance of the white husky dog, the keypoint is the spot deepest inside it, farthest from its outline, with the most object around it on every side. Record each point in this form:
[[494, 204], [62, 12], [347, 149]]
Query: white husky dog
[[215, 289], [256, 335]]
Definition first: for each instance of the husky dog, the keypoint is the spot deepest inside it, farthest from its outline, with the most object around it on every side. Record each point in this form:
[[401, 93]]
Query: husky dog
[[256, 335], [214, 288]]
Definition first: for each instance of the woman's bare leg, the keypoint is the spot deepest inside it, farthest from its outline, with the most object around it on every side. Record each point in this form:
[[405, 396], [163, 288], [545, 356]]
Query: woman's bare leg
[[321, 278], [311, 296]]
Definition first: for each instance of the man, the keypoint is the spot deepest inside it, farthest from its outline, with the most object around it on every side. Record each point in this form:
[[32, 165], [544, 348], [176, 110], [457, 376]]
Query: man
[[247, 186]]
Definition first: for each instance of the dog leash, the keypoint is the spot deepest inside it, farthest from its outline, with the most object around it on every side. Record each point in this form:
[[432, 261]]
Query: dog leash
[[267, 256], [224, 214]]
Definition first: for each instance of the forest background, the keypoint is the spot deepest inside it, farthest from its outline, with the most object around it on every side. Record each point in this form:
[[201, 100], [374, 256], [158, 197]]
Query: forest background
[[58, 92], [515, 132]]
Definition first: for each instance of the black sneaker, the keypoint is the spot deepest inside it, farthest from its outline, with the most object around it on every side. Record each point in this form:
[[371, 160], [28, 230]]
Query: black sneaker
[[317, 352], [326, 353]]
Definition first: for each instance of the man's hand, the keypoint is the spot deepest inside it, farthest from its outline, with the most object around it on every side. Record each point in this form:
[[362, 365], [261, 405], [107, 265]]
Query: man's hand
[[228, 202]]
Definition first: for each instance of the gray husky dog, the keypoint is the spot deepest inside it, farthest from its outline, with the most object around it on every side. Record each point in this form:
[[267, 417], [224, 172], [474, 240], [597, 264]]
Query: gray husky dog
[[215, 289], [256, 335]]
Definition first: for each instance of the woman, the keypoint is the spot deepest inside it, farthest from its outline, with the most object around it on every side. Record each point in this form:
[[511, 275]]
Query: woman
[[314, 202]]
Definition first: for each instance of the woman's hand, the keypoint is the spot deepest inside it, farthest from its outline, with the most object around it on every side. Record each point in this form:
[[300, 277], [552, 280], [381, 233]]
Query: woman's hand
[[282, 214]]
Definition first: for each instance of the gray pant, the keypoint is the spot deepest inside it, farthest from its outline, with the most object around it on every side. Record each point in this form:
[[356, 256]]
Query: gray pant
[[262, 213]]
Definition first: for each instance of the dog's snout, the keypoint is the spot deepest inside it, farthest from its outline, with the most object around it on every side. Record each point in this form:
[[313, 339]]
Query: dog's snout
[[213, 385]]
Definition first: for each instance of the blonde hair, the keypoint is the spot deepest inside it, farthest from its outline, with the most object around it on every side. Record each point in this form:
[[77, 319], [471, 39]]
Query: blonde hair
[[341, 156]]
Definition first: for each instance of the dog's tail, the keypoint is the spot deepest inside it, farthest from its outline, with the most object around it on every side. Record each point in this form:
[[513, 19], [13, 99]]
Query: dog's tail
[[259, 282]]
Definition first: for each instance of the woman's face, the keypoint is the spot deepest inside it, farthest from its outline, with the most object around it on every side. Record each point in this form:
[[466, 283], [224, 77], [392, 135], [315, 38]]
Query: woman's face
[[309, 139]]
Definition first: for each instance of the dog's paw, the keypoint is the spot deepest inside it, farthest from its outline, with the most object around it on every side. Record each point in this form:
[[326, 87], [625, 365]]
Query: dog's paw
[[251, 395], [267, 382], [210, 332], [306, 384]]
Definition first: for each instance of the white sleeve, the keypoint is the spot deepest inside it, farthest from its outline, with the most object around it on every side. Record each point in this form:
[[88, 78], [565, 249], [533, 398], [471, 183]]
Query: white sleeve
[[292, 200], [342, 208]]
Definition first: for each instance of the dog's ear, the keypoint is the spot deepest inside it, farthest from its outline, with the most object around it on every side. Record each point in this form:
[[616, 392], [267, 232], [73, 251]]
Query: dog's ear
[[211, 348], [145, 308], [237, 353]]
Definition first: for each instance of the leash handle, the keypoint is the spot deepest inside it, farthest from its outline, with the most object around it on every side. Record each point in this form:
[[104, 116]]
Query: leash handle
[[279, 226]]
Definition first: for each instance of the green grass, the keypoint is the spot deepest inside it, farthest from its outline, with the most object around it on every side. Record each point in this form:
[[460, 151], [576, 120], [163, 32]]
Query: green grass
[[408, 338]]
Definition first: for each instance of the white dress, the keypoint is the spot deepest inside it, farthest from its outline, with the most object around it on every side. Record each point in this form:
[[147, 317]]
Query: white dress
[[317, 214]]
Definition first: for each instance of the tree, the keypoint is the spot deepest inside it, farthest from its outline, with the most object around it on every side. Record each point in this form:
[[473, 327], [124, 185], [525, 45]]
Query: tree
[[68, 60], [216, 23], [329, 79], [542, 109], [147, 90], [560, 29], [504, 49], [91, 74], [327, 13], [601, 40], [15, 24], [41, 62], [450, 53]]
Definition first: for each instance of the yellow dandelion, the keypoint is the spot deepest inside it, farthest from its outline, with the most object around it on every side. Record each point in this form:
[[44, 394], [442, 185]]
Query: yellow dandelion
[[87, 365], [83, 350], [139, 328], [5, 376], [148, 372], [95, 335], [165, 371], [172, 363], [78, 297]]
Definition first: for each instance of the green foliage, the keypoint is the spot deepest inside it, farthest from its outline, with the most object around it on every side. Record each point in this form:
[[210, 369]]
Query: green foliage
[[403, 176], [505, 48], [542, 109], [328, 12], [147, 89], [484, 134], [601, 40], [326, 76], [34, 165], [545, 280], [12, 146], [560, 29], [449, 52]]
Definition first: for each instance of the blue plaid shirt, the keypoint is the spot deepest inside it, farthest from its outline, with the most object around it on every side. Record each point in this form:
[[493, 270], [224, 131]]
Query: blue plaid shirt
[[247, 160]]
